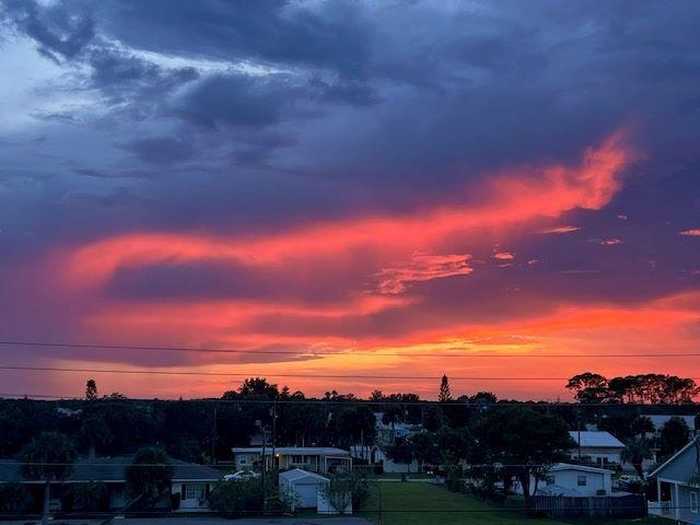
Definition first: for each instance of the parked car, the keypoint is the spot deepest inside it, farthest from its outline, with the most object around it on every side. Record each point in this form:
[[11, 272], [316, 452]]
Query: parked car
[[242, 475]]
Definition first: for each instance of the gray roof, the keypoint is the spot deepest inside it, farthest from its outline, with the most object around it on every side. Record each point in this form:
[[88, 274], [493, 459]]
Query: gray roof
[[111, 469], [683, 465], [581, 468], [297, 474], [596, 439]]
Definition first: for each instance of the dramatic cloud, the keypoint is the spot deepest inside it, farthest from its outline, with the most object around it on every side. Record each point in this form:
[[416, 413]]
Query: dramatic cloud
[[342, 180]]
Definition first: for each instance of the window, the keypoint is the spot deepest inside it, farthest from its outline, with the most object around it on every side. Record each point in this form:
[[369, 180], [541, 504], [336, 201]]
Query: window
[[193, 491], [243, 461], [582, 481], [694, 502], [298, 460]]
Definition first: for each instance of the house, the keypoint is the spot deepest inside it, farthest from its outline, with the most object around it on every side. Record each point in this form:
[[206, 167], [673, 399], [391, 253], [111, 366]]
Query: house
[[307, 490], [192, 482], [678, 485], [597, 448], [374, 455], [387, 432], [322, 460], [386, 435], [564, 479]]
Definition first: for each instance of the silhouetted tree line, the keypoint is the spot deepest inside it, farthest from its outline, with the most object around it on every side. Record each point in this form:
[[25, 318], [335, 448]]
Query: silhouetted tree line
[[590, 387]]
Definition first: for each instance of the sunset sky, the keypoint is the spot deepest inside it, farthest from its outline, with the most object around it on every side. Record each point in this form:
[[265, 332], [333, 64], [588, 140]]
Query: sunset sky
[[387, 191]]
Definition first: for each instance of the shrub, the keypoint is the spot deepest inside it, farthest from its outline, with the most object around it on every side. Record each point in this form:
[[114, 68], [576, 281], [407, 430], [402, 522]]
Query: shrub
[[345, 488], [89, 497], [14, 498], [237, 498]]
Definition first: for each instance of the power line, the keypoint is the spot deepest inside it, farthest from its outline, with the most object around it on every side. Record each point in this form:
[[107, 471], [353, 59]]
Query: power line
[[284, 375], [98, 346], [358, 402]]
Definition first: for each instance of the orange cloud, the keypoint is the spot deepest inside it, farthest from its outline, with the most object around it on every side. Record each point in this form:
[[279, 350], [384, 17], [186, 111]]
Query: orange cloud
[[504, 256], [510, 198]]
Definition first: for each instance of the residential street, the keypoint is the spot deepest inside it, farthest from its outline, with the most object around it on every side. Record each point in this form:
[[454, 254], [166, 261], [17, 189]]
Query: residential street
[[208, 520]]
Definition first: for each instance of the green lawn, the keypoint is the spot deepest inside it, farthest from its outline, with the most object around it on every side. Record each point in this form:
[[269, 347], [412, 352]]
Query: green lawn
[[426, 504]]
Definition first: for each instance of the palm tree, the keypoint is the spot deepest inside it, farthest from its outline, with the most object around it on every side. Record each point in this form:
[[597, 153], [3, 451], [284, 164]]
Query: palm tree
[[635, 452], [48, 458]]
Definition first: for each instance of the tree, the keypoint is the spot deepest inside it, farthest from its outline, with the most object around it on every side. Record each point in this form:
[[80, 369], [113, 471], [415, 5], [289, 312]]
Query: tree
[[445, 394], [91, 390], [455, 444], [49, 458], [483, 398], [254, 388], [425, 448], [95, 434], [149, 475], [675, 434], [642, 425], [589, 387], [402, 450], [526, 440], [635, 452]]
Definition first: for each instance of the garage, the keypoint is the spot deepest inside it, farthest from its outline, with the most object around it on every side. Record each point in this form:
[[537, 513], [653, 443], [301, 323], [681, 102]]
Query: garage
[[302, 487]]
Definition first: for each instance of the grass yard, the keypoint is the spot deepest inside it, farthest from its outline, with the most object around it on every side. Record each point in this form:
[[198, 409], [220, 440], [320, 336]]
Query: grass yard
[[418, 503]]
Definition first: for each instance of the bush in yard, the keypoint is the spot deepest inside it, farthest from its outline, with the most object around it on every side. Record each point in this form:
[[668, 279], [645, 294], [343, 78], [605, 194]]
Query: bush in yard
[[14, 498], [88, 497], [237, 498], [346, 488]]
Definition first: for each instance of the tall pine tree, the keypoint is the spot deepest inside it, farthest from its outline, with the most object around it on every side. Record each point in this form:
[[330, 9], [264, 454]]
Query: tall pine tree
[[445, 394]]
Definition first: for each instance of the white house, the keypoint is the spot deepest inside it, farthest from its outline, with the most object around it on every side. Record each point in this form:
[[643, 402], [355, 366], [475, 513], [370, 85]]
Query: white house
[[678, 485], [597, 447], [315, 459], [307, 490], [564, 479]]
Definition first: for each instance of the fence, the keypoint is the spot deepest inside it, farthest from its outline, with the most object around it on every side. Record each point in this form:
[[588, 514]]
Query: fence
[[632, 506]]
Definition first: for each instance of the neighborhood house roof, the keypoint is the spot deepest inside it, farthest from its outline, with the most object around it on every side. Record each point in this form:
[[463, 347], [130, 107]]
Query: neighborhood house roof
[[693, 463], [111, 469], [592, 439], [295, 451], [299, 474], [581, 468]]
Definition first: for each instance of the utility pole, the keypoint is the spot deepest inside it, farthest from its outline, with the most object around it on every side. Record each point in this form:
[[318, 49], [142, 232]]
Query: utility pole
[[214, 436], [274, 440], [264, 466]]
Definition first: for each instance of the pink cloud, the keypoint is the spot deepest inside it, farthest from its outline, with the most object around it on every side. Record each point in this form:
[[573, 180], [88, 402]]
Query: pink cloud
[[561, 230], [422, 268]]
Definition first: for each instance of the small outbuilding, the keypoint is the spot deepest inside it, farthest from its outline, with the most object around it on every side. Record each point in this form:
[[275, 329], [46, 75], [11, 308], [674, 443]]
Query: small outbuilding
[[306, 490]]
